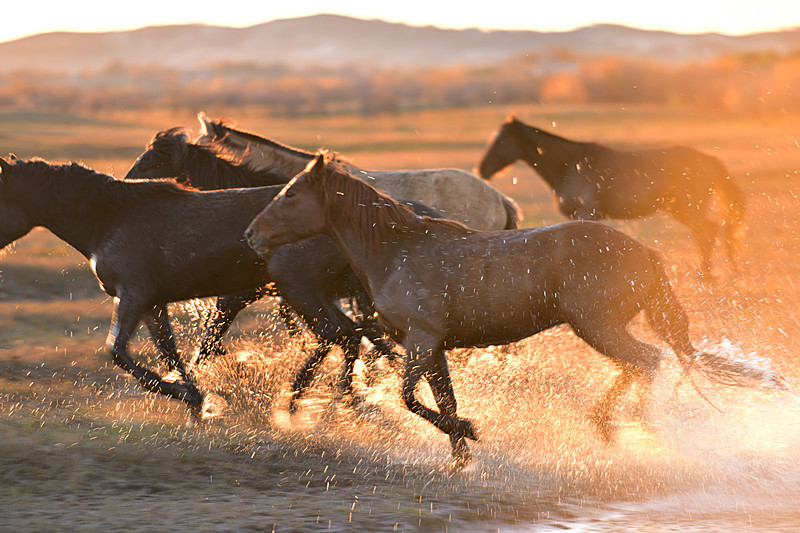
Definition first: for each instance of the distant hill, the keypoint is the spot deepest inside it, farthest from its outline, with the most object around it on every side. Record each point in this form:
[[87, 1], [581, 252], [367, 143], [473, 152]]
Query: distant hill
[[335, 41]]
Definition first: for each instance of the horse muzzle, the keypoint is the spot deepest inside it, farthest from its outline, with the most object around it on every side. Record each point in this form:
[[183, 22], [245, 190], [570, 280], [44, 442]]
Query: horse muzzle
[[256, 241]]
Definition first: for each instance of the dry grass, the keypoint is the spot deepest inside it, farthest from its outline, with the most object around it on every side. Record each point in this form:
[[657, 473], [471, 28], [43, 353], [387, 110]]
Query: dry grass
[[83, 448]]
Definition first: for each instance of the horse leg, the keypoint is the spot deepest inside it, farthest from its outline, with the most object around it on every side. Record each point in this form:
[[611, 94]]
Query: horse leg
[[431, 361], [305, 375], [636, 360], [331, 326], [441, 384], [226, 309], [158, 324], [704, 232], [124, 320], [368, 327]]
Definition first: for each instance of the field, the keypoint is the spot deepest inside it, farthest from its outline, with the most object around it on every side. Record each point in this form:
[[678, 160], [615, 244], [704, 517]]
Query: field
[[83, 448]]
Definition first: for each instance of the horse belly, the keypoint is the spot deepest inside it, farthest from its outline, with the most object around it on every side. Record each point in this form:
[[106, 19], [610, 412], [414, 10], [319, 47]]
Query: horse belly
[[481, 329]]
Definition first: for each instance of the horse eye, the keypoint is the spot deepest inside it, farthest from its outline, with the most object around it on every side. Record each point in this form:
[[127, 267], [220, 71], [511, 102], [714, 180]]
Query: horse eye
[[289, 193]]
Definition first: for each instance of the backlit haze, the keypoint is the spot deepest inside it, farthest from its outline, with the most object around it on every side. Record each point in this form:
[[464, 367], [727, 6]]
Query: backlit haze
[[733, 17]]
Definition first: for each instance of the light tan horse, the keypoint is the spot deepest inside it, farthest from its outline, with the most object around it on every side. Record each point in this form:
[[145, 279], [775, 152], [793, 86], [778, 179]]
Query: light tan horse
[[456, 194], [438, 285]]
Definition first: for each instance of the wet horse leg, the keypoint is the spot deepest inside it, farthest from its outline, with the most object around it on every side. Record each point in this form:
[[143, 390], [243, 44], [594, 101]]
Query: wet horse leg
[[158, 324], [704, 232], [441, 385], [331, 326], [225, 310], [431, 361], [635, 359], [124, 320], [368, 327]]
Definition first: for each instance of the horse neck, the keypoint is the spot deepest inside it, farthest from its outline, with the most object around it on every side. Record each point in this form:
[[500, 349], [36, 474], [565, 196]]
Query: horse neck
[[261, 153], [372, 232], [549, 155], [81, 224], [211, 172]]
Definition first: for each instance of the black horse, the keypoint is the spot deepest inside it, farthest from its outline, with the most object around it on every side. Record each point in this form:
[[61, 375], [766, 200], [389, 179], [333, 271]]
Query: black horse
[[311, 291], [591, 181]]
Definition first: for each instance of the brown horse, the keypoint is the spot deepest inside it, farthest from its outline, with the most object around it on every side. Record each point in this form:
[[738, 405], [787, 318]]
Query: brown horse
[[438, 285], [591, 181]]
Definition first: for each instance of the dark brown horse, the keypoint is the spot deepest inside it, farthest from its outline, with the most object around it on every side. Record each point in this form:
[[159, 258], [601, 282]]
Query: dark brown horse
[[591, 181], [438, 285], [146, 242], [312, 278], [153, 242]]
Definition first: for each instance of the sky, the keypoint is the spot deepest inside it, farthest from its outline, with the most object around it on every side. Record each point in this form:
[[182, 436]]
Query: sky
[[21, 18]]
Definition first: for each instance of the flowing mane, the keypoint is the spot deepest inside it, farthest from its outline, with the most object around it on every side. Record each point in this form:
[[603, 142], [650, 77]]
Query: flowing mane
[[222, 127], [207, 166], [385, 224]]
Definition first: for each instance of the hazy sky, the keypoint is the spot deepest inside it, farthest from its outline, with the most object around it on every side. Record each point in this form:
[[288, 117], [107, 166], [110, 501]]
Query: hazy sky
[[26, 17]]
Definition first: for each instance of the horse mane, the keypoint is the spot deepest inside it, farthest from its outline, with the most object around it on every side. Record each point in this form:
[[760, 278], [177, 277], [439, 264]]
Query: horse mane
[[80, 184], [227, 126], [211, 165], [513, 120], [384, 224]]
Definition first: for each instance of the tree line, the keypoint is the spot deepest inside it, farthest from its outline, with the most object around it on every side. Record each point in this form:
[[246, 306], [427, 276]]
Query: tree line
[[764, 82]]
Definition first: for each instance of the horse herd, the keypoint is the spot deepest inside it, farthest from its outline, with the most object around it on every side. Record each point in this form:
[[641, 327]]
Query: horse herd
[[434, 259]]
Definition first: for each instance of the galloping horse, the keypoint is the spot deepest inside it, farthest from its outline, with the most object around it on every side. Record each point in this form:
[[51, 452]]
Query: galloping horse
[[311, 279], [592, 182], [456, 194], [438, 285], [153, 242]]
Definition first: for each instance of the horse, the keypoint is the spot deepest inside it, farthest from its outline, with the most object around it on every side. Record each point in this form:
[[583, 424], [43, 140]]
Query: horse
[[455, 194], [171, 154], [591, 182], [154, 242], [437, 285]]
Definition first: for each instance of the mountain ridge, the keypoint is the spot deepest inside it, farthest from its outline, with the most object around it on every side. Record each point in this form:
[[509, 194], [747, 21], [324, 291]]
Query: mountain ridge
[[338, 41]]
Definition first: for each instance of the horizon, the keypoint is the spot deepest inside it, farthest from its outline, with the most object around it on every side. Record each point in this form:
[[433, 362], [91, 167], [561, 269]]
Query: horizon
[[683, 17]]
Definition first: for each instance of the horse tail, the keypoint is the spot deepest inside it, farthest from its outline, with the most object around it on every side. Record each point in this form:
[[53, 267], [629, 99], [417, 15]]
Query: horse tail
[[671, 323], [733, 200], [513, 213]]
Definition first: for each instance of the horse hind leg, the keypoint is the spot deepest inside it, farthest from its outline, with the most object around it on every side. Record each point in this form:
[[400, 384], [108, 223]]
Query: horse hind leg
[[704, 232], [636, 360]]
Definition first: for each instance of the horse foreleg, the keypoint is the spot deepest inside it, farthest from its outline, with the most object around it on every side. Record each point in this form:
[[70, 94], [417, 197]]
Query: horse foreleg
[[441, 385], [226, 309], [306, 373], [432, 362], [123, 323], [157, 322], [368, 327]]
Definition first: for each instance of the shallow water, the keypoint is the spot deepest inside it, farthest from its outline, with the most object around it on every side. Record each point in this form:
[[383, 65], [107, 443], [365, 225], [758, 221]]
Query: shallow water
[[725, 460]]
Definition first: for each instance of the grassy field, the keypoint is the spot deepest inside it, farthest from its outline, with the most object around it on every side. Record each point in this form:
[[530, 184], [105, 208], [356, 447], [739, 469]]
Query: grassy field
[[82, 447]]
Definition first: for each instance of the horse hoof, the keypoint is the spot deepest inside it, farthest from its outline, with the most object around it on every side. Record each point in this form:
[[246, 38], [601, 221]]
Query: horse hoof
[[462, 457], [467, 429]]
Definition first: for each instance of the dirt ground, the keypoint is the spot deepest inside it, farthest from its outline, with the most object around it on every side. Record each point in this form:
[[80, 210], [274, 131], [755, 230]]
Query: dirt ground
[[83, 448]]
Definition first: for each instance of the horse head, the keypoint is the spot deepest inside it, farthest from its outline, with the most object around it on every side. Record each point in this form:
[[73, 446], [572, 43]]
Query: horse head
[[165, 154], [295, 214], [502, 150]]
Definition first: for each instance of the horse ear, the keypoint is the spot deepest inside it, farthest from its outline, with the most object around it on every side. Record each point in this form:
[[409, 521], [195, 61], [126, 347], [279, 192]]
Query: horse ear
[[5, 166], [204, 122], [318, 165]]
